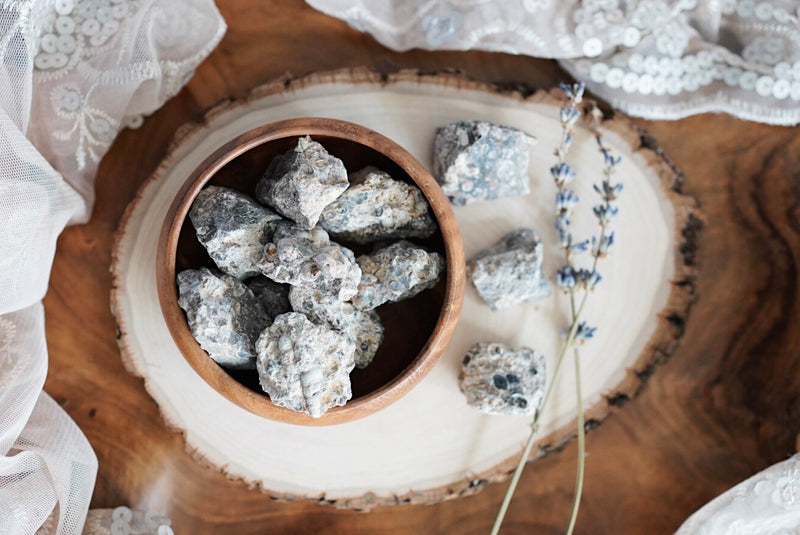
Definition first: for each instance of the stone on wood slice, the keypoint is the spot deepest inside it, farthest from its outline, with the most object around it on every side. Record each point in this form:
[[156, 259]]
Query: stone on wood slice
[[298, 256], [223, 315], [300, 183], [233, 228], [510, 272], [478, 160], [396, 272], [377, 207], [303, 366], [497, 379]]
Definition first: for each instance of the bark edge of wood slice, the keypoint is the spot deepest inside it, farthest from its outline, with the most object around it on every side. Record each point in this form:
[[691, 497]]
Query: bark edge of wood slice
[[686, 222]]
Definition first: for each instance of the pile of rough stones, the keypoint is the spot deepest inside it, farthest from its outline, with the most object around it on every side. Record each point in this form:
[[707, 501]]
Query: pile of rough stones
[[288, 301]]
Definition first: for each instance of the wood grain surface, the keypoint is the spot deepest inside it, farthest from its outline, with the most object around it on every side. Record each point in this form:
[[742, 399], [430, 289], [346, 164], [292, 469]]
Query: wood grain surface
[[724, 406]]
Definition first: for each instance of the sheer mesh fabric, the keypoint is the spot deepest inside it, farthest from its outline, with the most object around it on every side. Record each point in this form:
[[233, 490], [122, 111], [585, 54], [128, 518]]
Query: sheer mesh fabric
[[658, 59], [73, 73]]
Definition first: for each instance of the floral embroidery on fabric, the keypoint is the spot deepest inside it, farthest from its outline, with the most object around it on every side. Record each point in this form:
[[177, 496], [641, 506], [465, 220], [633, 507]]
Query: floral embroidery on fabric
[[532, 6], [686, 56], [787, 489], [87, 55], [71, 33], [441, 25], [766, 50], [91, 130], [671, 39], [75, 29], [767, 503]]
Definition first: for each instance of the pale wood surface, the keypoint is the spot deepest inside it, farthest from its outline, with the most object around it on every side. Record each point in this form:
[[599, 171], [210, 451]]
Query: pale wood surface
[[724, 406], [430, 445]]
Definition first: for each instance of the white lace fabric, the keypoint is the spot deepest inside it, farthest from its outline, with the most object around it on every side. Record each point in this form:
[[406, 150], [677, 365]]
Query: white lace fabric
[[73, 73], [767, 503], [657, 59]]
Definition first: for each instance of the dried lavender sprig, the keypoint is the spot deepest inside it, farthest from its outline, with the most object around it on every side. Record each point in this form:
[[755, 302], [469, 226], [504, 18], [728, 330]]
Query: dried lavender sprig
[[565, 201], [579, 332], [534, 429], [563, 173], [609, 193]]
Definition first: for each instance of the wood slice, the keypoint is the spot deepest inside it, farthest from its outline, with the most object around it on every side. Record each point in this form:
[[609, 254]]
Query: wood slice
[[430, 445]]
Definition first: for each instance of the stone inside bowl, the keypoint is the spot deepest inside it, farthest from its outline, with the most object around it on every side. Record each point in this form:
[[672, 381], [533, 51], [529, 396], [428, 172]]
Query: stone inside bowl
[[408, 324]]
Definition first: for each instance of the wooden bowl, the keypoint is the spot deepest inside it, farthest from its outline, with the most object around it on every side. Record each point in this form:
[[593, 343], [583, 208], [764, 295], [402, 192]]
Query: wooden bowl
[[416, 330]]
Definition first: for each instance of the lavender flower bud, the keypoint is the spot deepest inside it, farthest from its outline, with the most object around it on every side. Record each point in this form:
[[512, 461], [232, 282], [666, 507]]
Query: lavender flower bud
[[562, 173], [562, 226], [568, 141], [584, 332], [566, 200], [609, 191], [586, 279], [609, 159], [569, 115], [580, 247], [605, 213], [573, 92], [600, 248], [565, 278]]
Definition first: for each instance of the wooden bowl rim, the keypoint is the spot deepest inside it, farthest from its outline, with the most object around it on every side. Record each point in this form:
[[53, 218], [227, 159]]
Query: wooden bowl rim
[[210, 371]]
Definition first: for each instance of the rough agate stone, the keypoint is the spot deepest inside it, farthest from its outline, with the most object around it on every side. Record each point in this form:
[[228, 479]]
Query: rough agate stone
[[233, 228], [223, 315], [497, 379], [510, 272], [318, 302], [363, 328], [273, 295], [377, 207], [477, 160], [298, 256], [397, 272], [304, 367], [300, 183]]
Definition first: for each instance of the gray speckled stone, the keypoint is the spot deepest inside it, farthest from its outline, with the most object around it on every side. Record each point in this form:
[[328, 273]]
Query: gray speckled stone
[[510, 272], [363, 328], [477, 160], [304, 367], [397, 272], [223, 315], [497, 379], [233, 228], [273, 295], [377, 207], [308, 257], [319, 302], [302, 182]]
